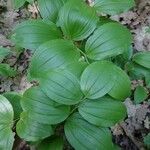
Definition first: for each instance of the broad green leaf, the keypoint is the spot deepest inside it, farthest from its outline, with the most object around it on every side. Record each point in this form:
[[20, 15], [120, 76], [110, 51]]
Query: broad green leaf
[[85, 136], [49, 8], [104, 111], [96, 79], [143, 59], [3, 53], [7, 71], [6, 123], [113, 7], [18, 3], [32, 33], [103, 77], [55, 143], [62, 87], [77, 68], [51, 55], [110, 39], [77, 23], [14, 98], [122, 87], [137, 71], [140, 94], [30, 130], [147, 140], [42, 109]]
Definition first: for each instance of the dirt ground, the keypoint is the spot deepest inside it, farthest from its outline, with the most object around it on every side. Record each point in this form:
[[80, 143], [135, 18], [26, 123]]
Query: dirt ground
[[128, 134]]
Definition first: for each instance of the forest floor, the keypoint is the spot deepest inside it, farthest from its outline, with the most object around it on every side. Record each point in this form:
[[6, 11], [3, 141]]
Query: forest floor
[[128, 134]]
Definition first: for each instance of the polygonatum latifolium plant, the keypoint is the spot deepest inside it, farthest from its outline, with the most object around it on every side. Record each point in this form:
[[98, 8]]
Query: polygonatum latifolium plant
[[81, 64]]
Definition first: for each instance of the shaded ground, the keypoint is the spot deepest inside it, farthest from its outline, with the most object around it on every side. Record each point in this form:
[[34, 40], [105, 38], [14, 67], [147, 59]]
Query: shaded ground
[[128, 134]]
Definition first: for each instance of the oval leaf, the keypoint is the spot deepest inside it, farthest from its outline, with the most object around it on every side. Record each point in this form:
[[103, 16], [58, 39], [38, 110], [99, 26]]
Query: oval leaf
[[140, 94], [110, 39], [77, 68], [143, 59], [85, 136], [62, 87], [42, 108], [14, 98], [96, 79], [122, 87], [31, 34], [6, 123], [104, 111], [49, 8], [104, 77], [31, 130], [113, 7], [77, 23], [51, 55]]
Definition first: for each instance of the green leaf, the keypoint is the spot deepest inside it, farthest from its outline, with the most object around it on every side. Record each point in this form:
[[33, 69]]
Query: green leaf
[[104, 111], [51, 55], [96, 80], [110, 39], [31, 130], [62, 87], [18, 3], [77, 23], [6, 123], [122, 87], [14, 98], [42, 109], [113, 7], [77, 68], [137, 71], [143, 59], [147, 140], [32, 33], [104, 77], [55, 143], [7, 71], [85, 136], [140, 94], [49, 8], [3, 53]]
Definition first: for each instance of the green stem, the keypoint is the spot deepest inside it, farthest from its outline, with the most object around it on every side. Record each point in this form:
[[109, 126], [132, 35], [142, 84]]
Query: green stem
[[86, 59]]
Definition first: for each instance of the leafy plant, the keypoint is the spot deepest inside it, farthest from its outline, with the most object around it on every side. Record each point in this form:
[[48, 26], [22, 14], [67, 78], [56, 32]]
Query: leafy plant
[[5, 69], [80, 86]]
